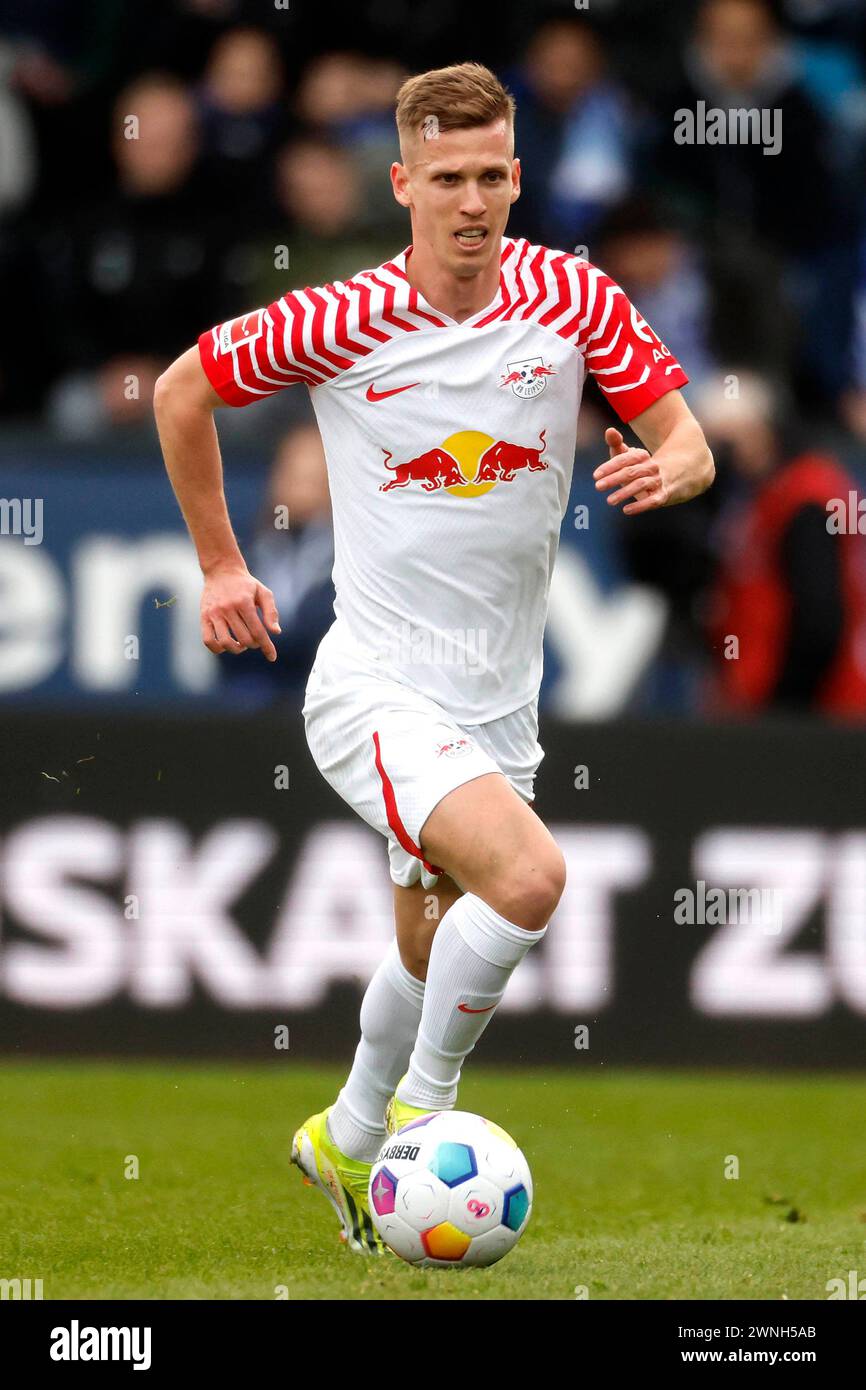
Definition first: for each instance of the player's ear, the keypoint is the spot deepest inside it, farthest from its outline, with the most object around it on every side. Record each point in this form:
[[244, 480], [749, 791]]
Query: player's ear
[[399, 182], [515, 180]]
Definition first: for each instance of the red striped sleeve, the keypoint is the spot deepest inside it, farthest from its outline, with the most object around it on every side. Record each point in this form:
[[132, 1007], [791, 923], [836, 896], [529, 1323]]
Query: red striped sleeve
[[630, 363], [256, 355]]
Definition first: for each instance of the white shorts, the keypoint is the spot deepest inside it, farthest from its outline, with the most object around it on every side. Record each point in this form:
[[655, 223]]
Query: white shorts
[[393, 753]]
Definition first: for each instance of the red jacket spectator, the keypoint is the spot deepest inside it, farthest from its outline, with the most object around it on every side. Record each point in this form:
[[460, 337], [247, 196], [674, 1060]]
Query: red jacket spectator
[[792, 590]]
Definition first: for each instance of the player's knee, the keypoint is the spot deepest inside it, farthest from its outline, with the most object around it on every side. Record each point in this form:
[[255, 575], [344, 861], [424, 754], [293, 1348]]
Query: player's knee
[[533, 888]]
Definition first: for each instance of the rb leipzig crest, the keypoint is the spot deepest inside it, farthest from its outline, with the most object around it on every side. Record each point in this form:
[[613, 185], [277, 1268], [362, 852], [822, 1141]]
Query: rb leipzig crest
[[527, 378]]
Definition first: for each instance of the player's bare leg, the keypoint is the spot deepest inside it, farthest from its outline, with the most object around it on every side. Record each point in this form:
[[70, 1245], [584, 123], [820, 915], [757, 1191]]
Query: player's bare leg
[[417, 913], [513, 874]]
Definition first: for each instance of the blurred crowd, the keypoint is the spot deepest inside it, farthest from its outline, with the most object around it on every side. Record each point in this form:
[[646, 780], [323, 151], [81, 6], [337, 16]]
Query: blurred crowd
[[166, 166]]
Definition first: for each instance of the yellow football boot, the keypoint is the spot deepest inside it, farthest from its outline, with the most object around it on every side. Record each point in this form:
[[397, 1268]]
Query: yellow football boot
[[398, 1113], [343, 1180]]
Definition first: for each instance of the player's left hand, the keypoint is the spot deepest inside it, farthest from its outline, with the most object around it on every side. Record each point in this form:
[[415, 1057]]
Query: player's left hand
[[635, 474]]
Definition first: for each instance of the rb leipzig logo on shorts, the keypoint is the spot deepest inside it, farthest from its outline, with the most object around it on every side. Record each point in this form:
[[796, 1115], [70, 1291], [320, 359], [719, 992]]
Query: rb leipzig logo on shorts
[[454, 748]]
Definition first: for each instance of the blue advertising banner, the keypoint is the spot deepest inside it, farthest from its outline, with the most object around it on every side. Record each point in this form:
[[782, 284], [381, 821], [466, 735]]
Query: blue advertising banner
[[100, 589], [99, 585]]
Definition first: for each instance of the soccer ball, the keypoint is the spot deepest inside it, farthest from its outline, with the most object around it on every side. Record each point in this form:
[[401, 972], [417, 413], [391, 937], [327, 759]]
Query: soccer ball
[[450, 1189]]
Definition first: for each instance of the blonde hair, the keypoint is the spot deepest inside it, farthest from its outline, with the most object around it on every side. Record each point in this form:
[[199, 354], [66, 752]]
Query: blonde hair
[[454, 98]]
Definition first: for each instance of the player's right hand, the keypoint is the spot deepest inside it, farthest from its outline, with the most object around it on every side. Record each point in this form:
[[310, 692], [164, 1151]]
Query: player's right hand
[[230, 604]]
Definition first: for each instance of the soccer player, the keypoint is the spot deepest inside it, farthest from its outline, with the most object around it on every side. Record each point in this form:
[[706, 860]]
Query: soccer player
[[446, 384]]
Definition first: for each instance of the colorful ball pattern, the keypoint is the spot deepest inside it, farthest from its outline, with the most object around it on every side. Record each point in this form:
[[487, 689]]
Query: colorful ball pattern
[[450, 1189]]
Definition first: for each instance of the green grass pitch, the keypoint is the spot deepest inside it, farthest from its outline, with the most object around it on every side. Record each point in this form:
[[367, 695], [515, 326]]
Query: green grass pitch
[[631, 1197]]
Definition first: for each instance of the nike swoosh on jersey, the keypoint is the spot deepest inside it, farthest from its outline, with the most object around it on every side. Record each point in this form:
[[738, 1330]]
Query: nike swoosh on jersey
[[464, 1009], [374, 395]]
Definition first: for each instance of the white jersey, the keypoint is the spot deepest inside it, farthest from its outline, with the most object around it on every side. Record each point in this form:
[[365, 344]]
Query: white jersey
[[449, 449]]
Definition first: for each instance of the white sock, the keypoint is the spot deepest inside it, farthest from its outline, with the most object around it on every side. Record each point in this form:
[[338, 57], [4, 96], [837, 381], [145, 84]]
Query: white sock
[[390, 1012], [473, 954]]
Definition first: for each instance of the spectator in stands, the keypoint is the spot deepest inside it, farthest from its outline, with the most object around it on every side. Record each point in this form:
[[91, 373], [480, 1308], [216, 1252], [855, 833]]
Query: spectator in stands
[[348, 100], [708, 305], [788, 201], [317, 239], [665, 277], [65, 59], [576, 133], [739, 58], [293, 554], [132, 279], [828, 42], [243, 121], [787, 612]]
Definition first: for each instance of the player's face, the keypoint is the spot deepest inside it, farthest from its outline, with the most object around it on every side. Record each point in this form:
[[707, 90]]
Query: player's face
[[459, 187]]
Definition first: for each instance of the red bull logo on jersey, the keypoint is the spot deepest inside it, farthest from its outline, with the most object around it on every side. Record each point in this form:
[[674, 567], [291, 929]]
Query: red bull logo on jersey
[[527, 378], [466, 464], [502, 460], [433, 469]]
